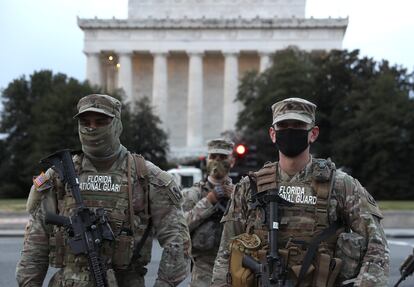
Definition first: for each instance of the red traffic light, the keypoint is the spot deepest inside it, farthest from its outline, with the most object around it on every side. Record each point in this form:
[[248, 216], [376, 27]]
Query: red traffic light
[[241, 149]]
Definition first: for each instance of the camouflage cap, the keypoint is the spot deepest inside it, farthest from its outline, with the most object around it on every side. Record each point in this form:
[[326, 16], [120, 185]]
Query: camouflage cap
[[294, 109], [220, 146], [102, 104]]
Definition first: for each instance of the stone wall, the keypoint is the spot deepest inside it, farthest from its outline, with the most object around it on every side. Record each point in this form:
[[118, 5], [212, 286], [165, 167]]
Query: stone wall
[[174, 9]]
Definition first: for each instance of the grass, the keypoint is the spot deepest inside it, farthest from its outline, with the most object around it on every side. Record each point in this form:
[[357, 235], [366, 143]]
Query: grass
[[396, 205], [19, 205], [13, 205]]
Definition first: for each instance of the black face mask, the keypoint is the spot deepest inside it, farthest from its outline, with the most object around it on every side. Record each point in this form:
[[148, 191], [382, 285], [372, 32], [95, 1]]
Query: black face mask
[[292, 142]]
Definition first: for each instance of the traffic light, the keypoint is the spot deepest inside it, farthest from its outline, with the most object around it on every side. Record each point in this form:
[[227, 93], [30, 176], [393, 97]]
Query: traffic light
[[245, 155], [241, 150], [246, 160]]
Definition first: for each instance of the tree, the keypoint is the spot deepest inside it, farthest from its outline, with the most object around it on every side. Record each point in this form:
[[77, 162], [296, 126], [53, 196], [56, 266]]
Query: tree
[[142, 133], [377, 132], [364, 112], [38, 120], [291, 75]]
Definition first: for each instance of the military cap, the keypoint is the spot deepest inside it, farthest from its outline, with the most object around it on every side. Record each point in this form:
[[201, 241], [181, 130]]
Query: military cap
[[102, 104], [220, 146], [294, 109]]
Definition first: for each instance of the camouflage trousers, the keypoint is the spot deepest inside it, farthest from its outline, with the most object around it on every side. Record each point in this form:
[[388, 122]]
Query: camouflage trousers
[[202, 271], [122, 278]]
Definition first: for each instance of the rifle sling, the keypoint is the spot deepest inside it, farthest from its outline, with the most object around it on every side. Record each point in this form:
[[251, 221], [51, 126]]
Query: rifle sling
[[144, 237], [312, 248], [142, 172], [130, 198]]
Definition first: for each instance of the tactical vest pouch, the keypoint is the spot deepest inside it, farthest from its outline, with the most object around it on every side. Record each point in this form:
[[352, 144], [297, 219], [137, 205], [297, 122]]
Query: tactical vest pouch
[[350, 248], [124, 247], [57, 249], [243, 244], [327, 270], [292, 256]]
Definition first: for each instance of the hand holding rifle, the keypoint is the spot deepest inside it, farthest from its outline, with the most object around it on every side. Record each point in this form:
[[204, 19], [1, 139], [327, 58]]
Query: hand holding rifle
[[85, 228]]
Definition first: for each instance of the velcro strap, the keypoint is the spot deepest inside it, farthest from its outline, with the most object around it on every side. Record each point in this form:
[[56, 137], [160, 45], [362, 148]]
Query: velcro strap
[[141, 167], [322, 189], [266, 178]]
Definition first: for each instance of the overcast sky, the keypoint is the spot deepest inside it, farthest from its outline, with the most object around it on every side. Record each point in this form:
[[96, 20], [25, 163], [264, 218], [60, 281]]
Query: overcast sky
[[43, 34]]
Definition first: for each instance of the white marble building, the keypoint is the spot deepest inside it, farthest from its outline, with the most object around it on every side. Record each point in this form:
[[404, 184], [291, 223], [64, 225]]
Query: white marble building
[[188, 56]]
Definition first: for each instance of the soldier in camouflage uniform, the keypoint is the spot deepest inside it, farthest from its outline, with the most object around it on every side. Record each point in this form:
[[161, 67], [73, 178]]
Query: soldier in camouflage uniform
[[329, 210], [204, 204], [140, 199]]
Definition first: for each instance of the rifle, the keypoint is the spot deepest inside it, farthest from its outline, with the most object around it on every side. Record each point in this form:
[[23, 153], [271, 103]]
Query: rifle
[[273, 273], [259, 270], [86, 229], [406, 269]]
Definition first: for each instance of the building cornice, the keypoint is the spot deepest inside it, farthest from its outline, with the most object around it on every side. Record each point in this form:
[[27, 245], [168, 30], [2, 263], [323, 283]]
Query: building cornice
[[238, 23]]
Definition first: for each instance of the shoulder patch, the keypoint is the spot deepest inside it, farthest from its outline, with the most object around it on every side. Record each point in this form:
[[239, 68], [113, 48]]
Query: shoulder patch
[[41, 184], [368, 203], [164, 178], [41, 179], [175, 194]]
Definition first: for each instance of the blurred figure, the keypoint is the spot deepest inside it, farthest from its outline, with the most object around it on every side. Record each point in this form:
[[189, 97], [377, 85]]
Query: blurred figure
[[204, 205]]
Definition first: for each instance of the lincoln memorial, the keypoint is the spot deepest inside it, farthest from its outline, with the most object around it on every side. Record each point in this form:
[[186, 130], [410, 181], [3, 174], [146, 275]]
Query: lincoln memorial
[[188, 56]]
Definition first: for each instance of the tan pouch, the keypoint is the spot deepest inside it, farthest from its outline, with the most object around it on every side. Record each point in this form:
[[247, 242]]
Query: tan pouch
[[243, 244], [123, 251]]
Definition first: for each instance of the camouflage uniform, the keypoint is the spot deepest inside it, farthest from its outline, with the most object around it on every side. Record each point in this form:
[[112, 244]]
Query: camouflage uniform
[[203, 219], [45, 244], [362, 245]]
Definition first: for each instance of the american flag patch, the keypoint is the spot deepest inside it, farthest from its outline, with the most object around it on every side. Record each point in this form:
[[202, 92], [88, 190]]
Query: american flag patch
[[40, 180]]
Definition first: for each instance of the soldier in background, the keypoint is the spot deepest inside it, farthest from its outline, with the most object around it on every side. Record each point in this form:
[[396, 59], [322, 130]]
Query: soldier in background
[[353, 250], [141, 201], [204, 205]]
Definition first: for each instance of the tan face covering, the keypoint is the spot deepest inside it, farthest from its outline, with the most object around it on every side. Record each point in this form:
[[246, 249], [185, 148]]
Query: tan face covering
[[101, 143], [218, 169]]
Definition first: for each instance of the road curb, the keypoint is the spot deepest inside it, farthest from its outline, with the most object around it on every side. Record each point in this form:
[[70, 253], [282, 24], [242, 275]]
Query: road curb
[[11, 233]]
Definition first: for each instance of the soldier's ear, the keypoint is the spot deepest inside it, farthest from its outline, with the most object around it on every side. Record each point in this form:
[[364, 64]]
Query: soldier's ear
[[314, 133], [272, 134]]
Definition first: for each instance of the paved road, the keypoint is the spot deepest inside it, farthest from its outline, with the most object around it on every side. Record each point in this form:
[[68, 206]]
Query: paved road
[[10, 251]]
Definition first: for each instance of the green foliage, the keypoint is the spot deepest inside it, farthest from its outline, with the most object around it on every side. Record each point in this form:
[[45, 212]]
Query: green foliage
[[38, 120], [142, 133], [364, 113]]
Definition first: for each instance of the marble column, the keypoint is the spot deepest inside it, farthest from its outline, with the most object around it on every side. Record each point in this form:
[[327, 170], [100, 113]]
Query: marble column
[[93, 69], [231, 82], [160, 85], [195, 100], [265, 60], [125, 74]]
